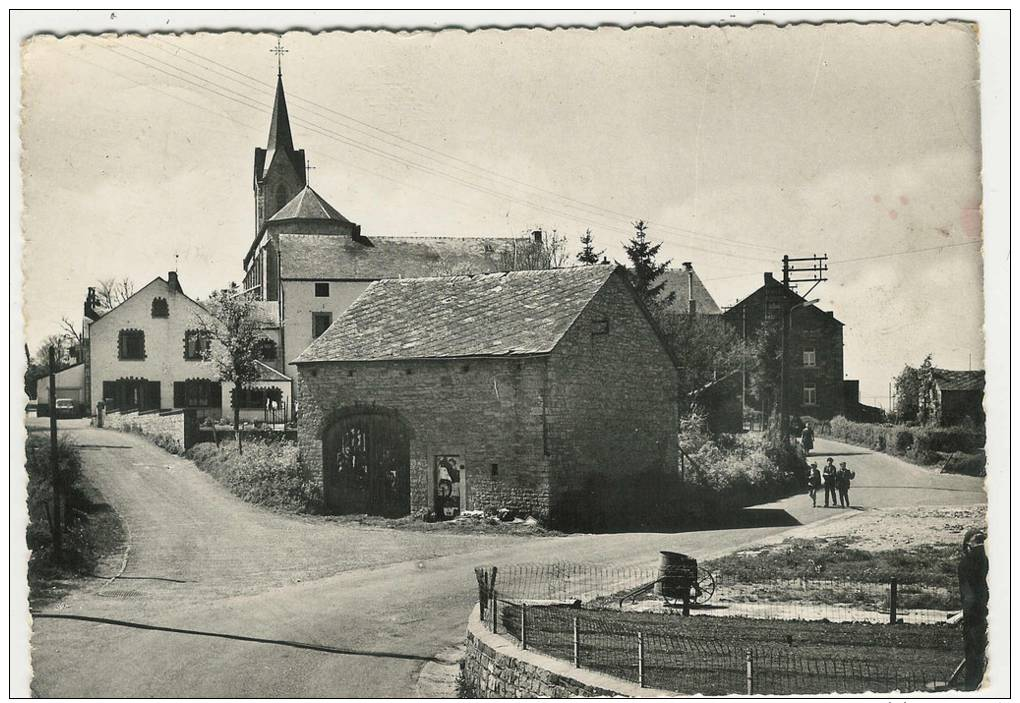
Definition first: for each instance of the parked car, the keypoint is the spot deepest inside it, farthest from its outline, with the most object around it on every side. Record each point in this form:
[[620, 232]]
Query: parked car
[[65, 407]]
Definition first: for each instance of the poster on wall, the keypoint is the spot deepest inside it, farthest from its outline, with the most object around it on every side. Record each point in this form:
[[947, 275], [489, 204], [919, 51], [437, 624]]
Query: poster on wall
[[449, 485]]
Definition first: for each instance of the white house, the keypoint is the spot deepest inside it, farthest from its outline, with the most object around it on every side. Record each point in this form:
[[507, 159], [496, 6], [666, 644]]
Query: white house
[[70, 385]]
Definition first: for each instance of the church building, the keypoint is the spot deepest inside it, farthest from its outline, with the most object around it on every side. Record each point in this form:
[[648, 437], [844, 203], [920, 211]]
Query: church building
[[307, 262]]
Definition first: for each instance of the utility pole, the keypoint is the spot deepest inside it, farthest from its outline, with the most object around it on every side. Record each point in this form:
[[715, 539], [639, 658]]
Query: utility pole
[[56, 523], [793, 273]]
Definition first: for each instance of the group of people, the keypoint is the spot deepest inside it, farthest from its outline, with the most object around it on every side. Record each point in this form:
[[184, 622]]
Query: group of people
[[833, 480]]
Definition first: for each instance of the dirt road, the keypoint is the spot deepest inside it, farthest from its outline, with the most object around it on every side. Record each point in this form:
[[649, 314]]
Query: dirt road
[[219, 598]]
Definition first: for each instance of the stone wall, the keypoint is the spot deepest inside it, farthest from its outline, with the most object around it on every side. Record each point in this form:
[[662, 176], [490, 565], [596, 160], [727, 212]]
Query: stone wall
[[173, 430], [495, 667]]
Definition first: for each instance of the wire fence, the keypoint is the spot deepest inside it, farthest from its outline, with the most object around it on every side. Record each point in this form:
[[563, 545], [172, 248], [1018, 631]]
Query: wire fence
[[572, 612]]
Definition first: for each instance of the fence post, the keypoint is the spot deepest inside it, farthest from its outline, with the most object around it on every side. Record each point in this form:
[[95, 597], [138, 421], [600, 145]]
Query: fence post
[[640, 660], [892, 601], [495, 610], [750, 671], [577, 645], [524, 625]]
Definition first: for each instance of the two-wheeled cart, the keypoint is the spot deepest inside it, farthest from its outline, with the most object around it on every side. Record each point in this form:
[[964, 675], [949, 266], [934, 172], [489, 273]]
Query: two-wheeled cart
[[679, 583]]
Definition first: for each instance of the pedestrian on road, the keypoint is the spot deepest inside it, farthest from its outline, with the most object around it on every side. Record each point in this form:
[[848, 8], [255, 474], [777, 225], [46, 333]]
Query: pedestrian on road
[[814, 482], [973, 575], [829, 480], [843, 478], [807, 439]]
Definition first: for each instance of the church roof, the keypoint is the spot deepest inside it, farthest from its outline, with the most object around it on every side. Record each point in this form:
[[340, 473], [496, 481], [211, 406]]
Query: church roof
[[279, 129], [341, 257], [308, 205], [494, 315]]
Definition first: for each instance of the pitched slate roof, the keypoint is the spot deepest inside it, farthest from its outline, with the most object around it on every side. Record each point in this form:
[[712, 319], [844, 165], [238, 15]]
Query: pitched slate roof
[[342, 257], [308, 205], [496, 314], [677, 281], [959, 380]]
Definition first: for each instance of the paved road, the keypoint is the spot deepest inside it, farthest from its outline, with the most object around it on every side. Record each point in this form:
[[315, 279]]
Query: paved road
[[262, 604]]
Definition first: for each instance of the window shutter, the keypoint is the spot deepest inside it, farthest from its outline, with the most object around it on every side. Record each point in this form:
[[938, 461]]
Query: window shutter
[[180, 398], [215, 395], [110, 393]]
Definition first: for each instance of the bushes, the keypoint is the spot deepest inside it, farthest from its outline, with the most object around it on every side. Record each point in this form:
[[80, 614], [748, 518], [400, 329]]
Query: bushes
[[920, 444], [268, 473]]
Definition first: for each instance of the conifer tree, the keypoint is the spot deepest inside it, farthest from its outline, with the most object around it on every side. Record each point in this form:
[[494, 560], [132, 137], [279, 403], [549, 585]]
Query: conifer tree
[[588, 256], [645, 270]]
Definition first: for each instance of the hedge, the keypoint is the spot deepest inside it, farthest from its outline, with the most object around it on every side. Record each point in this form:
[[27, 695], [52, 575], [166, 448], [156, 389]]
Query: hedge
[[921, 444]]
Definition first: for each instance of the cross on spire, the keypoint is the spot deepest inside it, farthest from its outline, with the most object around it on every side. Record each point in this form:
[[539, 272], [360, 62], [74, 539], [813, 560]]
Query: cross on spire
[[279, 51], [308, 171]]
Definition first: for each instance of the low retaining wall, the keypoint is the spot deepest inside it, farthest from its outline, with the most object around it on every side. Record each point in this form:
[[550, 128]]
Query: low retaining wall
[[495, 667], [174, 430]]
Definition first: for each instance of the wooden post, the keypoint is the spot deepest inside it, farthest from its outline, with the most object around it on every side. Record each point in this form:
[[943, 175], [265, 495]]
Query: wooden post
[[750, 671], [495, 610], [682, 467], [640, 660], [57, 523], [577, 645], [524, 625], [892, 601]]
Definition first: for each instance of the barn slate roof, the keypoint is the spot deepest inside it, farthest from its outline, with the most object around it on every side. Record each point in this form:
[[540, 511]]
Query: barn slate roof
[[326, 257], [677, 281], [493, 315], [959, 380]]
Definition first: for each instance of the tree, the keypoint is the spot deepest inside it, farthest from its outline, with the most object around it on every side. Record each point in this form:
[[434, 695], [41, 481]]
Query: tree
[[908, 389], [111, 292], [706, 348], [588, 256], [645, 270], [233, 337], [527, 253], [927, 402]]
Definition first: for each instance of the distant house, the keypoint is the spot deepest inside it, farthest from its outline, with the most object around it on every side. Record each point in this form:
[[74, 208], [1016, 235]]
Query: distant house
[[814, 383], [721, 403], [955, 396], [690, 294], [496, 390], [70, 384]]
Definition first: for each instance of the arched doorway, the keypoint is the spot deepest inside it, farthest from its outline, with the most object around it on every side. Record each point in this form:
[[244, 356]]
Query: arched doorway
[[366, 460]]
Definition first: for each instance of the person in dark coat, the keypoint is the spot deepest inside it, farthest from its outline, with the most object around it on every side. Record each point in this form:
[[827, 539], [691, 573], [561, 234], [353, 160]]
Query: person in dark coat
[[814, 482], [829, 481], [973, 574], [807, 439], [843, 478]]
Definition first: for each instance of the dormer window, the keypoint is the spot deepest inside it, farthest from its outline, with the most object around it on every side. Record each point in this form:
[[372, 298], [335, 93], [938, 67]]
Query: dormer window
[[160, 308]]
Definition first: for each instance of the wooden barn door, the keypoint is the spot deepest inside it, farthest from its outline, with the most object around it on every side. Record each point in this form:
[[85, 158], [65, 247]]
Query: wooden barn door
[[366, 465]]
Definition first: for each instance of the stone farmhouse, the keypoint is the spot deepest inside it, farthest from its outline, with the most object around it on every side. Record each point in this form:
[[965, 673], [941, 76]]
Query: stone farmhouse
[[492, 390], [814, 384], [954, 396]]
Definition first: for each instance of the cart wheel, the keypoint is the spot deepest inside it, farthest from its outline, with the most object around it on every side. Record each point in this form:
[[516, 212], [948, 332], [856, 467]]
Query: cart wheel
[[705, 587]]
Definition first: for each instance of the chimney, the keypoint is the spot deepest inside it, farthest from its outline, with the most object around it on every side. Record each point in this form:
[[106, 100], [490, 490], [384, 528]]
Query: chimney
[[174, 284], [90, 305], [536, 236], [692, 305], [768, 278]]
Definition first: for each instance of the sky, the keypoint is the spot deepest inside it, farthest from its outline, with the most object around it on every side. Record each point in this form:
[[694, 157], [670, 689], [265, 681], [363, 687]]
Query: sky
[[736, 144]]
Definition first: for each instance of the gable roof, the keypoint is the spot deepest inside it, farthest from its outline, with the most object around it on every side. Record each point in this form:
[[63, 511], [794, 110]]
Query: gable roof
[[959, 380], [505, 314], [327, 257], [158, 281], [679, 281], [772, 286], [308, 205]]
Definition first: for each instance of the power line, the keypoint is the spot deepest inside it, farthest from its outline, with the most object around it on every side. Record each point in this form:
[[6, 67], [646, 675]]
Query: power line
[[492, 173], [323, 131]]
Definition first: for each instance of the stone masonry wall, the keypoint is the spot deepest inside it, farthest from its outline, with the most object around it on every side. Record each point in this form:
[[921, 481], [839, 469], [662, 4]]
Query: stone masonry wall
[[170, 429], [496, 675], [612, 406], [489, 412]]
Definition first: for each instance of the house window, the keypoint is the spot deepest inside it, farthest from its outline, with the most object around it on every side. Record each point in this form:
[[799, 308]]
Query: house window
[[267, 350], [131, 345], [600, 325], [320, 323], [321, 290], [197, 393], [810, 394], [196, 343], [257, 398], [809, 357], [160, 308]]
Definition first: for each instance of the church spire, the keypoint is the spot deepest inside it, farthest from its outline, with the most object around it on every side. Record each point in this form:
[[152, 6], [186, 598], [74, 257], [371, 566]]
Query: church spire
[[279, 129]]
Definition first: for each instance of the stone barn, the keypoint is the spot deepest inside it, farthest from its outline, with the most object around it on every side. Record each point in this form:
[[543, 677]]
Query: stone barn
[[505, 390]]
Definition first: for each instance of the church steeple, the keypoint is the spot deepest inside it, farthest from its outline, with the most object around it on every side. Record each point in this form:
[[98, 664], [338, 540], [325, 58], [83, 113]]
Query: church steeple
[[279, 168]]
